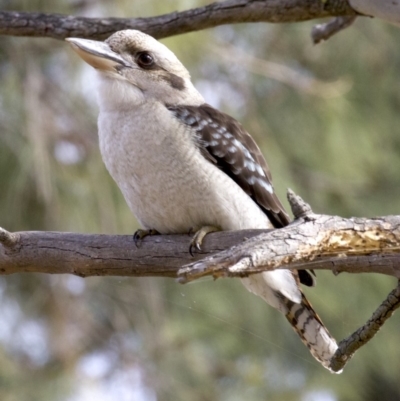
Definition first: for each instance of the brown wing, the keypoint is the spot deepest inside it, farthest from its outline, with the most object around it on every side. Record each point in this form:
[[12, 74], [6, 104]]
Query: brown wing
[[224, 142]]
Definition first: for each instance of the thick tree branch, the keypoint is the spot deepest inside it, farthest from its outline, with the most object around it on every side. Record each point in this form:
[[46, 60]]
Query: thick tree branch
[[327, 242], [104, 255], [312, 242], [226, 12]]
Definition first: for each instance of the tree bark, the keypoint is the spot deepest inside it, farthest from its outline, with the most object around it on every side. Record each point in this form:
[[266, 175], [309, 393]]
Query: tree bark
[[105, 255], [355, 245], [59, 26]]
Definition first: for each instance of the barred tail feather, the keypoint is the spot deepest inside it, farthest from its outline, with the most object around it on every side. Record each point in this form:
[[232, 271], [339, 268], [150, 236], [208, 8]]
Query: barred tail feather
[[311, 330]]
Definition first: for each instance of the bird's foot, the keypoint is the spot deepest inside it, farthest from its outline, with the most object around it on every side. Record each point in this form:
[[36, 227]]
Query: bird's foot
[[140, 234], [198, 237]]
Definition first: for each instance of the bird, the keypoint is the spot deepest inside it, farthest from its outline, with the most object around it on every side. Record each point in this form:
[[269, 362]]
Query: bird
[[184, 166]]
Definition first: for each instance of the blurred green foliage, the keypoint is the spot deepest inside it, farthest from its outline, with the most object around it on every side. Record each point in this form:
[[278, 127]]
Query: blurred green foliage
[[327, 118]]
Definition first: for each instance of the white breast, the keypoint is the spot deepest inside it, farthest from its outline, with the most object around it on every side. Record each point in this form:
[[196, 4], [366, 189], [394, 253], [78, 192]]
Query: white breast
[[167, 183]]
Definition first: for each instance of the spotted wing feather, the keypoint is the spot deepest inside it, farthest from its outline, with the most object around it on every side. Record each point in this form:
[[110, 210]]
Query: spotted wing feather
[[224, 142]]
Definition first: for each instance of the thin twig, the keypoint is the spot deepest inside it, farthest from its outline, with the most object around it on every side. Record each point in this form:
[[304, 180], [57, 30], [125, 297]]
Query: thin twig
[[365, 333]]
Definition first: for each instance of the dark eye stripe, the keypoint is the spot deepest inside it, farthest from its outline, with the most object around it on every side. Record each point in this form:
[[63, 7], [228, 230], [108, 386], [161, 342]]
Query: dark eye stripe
[[174, 81]]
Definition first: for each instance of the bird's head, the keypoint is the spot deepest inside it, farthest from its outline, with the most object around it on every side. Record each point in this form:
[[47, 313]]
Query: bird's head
[[135, 67]]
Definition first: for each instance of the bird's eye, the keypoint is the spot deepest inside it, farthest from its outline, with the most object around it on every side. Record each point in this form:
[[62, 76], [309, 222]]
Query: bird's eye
[[145, 60]]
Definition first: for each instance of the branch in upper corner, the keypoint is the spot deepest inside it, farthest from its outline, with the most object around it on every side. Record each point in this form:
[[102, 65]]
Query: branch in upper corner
[[225, 12], [365, 333], [325, 31]]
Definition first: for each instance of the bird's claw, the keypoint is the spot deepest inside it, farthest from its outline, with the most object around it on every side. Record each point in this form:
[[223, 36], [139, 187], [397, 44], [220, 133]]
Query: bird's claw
[[140, 234], [194, 245], [197, 240]]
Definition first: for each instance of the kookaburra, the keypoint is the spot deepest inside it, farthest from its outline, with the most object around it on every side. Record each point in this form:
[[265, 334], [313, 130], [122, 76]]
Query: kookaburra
[[183, 165]]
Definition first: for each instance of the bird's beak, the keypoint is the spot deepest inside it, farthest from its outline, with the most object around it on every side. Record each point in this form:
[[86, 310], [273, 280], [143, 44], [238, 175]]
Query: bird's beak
[[98, 54]]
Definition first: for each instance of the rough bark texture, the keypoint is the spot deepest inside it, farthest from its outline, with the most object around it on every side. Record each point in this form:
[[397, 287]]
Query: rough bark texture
[[356, 245], [324, 242], [104, 255], [226, 12]]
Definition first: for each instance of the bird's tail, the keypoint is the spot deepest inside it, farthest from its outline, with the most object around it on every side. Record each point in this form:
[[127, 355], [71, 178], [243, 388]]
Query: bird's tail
[[311, 330]]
